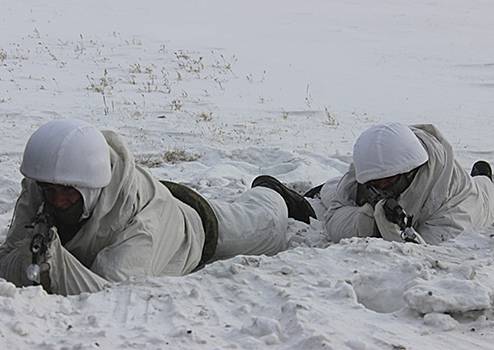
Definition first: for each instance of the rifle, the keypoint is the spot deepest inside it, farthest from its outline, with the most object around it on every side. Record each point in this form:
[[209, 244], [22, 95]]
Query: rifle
[[43, 230], [395, 214]]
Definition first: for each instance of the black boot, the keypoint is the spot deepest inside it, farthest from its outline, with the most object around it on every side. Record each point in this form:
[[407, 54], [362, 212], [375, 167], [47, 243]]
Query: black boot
[[481, 167], [298, 207], [314, 192]]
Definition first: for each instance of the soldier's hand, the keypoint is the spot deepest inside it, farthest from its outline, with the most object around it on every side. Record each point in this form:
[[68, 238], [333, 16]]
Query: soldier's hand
[[389, 231]]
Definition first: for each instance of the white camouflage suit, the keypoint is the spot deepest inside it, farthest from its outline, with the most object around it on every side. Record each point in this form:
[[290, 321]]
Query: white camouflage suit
[[137, 228], [443, 198]]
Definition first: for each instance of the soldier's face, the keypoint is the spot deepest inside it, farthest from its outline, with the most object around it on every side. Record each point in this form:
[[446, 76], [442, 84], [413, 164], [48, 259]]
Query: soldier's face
[[59, 196], [384, 183]]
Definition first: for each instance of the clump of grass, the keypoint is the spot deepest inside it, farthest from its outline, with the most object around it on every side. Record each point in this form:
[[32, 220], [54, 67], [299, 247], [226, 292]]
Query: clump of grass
[[176, 105], [205, 116], [172, 156], [188, 63], [138, 69], [3, 55], [331, 119], [179, 155], [103, 86]]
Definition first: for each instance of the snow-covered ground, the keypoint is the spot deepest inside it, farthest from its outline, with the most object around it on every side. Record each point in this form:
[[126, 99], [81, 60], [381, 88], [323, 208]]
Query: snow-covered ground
[[214, 93]]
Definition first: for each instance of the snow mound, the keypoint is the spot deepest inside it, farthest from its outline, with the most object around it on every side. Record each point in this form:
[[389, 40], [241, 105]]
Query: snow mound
[[440, 321], [448, 295], [7, 289]]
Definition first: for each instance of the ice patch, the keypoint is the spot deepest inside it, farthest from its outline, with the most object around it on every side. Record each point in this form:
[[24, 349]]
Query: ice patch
[[344, 290], [7, 289], [440, 321], [261, 327], [356, 344], [447, 295]]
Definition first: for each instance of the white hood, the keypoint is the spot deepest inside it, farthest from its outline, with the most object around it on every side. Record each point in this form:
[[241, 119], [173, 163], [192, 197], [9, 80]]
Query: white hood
[[68, 152], [90, 199], [387, 150]]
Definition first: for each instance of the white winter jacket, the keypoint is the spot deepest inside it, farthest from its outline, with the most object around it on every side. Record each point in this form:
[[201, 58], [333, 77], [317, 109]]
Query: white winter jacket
[[137, 228], [443, 199]]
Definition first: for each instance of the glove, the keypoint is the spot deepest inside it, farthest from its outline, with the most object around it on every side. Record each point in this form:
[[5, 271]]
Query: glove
[[389, 231], [410, 235]]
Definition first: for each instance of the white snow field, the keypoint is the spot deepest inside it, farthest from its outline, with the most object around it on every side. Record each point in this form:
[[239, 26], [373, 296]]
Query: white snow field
[[214, 93]]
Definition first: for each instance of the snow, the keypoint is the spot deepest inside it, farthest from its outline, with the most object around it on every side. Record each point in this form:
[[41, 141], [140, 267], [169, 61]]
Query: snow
[[447, 295], [214, 93]]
